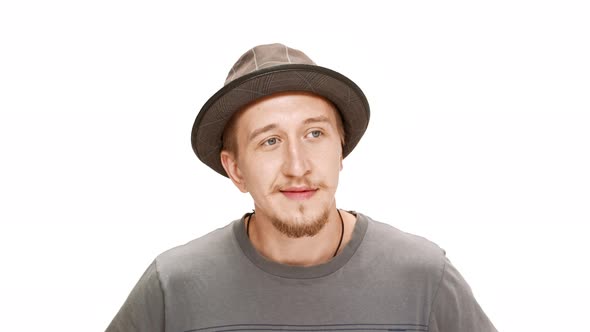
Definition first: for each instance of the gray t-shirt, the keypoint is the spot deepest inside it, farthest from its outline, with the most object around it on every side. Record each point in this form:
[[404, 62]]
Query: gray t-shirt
[[382, 280]]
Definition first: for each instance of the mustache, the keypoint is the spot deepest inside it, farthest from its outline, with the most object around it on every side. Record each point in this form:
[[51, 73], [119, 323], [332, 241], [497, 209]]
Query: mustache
[[306, 183]]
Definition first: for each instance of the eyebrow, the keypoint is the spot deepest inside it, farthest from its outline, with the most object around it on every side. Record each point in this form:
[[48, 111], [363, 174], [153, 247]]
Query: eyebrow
[[261, 130], [272, 126], [321, 118]]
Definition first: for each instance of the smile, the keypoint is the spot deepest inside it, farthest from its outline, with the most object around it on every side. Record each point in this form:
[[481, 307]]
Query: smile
[[299, 194]]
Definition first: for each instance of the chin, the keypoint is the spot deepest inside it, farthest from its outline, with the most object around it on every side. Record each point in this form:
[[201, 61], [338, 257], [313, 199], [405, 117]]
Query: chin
[[304, 221]]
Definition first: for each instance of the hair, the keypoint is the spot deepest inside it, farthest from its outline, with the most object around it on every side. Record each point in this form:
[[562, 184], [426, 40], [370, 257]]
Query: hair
[[230, 140]]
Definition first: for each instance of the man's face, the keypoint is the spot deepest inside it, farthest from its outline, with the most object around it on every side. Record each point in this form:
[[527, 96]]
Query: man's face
[[289, 159]]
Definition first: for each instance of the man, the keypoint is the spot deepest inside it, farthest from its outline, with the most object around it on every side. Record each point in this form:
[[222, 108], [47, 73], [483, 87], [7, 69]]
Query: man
[[279, 129]]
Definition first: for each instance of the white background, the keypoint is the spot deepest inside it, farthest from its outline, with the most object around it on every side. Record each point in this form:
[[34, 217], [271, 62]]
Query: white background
[[479, 140]]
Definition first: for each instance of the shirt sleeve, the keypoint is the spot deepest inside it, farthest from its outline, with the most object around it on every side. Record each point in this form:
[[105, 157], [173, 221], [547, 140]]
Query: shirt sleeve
[[143, 311], [454, 308]]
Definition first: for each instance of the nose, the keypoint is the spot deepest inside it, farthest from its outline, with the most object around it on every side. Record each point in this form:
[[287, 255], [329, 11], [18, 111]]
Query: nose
[[296, 162]]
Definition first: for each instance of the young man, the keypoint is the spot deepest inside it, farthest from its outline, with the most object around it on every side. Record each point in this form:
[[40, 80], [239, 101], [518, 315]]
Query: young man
[[279, 129]]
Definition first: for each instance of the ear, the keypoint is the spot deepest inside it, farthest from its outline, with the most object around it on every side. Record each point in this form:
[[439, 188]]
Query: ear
[[230, 164]]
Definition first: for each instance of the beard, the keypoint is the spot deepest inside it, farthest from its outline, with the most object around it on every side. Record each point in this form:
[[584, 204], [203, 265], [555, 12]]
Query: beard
[[297, 227], [303, 219]]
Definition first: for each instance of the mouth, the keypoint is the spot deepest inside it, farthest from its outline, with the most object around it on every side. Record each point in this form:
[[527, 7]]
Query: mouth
[[298, 194]]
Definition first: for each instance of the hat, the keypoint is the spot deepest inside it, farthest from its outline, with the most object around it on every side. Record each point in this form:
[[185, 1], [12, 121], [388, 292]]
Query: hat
[[268, 69]]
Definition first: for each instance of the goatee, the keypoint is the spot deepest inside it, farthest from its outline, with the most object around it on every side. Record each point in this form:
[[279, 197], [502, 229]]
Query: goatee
[[299, 228]]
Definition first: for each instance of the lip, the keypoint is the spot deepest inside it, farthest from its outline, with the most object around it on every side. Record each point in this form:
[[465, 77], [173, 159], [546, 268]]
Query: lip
[[298, 194]]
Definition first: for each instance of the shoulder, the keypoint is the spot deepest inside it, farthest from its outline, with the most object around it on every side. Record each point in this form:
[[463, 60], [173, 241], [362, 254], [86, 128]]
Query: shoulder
[[395, 248], [198, 254], [399, 243]]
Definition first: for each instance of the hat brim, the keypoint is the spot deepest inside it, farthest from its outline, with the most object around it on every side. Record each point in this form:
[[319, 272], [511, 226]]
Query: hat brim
[[206, 136]]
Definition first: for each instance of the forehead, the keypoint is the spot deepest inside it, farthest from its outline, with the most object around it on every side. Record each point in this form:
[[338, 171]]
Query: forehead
[[285, 109]]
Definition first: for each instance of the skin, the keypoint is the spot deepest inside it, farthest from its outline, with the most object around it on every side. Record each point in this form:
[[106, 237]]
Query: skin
[[289, 157]]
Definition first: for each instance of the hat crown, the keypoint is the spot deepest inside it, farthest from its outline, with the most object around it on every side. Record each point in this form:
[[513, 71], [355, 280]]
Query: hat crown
[[265, 56]]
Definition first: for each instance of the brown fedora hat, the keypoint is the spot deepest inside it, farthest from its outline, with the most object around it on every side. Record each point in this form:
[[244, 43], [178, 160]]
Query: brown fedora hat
[[268, 69]]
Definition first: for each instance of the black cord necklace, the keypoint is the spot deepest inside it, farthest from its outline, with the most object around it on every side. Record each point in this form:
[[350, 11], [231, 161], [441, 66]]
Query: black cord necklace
[[341, 229]]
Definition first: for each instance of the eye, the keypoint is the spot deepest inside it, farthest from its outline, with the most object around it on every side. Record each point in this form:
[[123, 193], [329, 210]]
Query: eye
[[271, 141], [315, 133]]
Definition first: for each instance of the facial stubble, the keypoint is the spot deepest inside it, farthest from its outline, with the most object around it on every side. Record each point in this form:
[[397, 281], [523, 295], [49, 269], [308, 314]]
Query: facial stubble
[[300, 228]]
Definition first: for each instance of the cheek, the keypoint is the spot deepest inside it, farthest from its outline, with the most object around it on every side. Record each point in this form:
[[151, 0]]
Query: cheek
[[261, 175], [328, 162]]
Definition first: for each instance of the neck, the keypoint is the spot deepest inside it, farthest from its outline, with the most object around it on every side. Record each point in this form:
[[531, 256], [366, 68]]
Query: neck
[[304, 251]]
